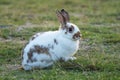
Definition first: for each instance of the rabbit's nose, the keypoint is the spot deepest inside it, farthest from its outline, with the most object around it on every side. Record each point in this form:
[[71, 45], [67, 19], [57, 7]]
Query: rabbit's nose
[[77, 35]]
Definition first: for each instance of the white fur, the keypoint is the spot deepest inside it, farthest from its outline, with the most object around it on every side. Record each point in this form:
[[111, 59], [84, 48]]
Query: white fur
[[64, 49]]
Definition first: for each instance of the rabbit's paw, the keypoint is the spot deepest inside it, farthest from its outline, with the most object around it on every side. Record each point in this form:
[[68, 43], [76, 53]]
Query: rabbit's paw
[[69, 58]]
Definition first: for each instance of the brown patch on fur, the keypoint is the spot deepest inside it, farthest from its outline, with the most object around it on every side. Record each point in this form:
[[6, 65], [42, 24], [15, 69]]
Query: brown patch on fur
[[76, 35], [55, 41], [37, 49], [30, 54], [41, 49]]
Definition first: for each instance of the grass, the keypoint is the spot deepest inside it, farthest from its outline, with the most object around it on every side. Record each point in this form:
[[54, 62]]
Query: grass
[[98, 20]]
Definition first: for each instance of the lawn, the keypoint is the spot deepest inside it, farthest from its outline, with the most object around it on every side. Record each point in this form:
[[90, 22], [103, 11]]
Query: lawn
[[99, 21]]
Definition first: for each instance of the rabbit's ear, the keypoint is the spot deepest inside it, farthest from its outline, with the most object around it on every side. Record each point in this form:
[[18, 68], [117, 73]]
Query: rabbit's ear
[[66, 15], [61, 18]]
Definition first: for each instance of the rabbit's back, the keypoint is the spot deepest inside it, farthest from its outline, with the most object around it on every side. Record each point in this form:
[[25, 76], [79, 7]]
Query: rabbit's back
[[45, 39]]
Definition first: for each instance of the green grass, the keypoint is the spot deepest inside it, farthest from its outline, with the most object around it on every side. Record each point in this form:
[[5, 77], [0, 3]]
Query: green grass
[[98, 20]]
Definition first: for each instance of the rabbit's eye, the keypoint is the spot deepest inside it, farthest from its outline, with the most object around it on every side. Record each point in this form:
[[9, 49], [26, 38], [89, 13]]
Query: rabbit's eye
[[71, 29]]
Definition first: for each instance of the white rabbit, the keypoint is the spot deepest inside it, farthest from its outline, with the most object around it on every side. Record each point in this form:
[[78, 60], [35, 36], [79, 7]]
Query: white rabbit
[[46, 48]]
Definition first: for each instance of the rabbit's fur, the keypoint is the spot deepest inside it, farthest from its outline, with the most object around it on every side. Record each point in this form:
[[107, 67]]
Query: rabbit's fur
[[46, 48]]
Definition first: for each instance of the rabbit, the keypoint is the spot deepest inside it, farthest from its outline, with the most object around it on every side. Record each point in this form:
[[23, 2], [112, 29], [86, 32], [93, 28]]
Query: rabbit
[[44, 49]]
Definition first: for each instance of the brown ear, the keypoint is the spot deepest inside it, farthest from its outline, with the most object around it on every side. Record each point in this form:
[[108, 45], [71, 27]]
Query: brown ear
[[66, 15], [61, 18]]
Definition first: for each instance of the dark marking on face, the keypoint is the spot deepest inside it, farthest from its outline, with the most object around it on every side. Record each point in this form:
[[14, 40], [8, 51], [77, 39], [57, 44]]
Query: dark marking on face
[[71, 29], [55, 41], [76, 35]]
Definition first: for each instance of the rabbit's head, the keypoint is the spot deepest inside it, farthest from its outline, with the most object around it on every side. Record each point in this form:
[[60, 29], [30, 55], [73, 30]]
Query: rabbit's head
[[68, 30]]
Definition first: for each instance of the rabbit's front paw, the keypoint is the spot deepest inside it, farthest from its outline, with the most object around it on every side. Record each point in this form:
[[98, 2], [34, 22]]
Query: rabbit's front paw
[[69, 58]]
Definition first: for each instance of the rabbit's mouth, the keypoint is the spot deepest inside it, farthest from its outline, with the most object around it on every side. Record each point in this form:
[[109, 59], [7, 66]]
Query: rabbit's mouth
[[77, 36]]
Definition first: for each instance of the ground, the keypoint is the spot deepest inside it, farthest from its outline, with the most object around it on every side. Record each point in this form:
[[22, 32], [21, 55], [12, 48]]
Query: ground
[[99, 21]]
